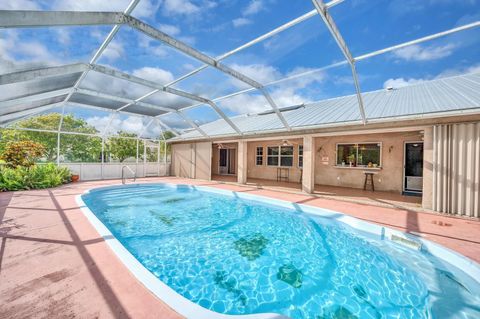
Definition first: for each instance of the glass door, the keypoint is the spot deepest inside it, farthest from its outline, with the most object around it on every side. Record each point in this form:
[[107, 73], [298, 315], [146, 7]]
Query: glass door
[[413, 167]]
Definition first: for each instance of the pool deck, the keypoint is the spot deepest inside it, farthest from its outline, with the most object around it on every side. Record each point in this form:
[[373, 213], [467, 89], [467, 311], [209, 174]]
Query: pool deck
[[54, 264]]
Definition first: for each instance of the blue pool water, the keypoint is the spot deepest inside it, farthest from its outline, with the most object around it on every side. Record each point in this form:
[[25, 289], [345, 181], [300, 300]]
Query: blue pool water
[[239, 256]]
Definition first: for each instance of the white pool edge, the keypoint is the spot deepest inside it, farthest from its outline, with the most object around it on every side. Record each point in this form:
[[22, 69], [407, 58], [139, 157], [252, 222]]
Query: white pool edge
[[189, 309]]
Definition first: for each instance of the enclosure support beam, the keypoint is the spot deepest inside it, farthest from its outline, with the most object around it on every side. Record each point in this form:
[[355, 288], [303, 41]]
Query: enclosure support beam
[[58, 134], [32, 98], [171, 129], [359, 58], [259, 39], [102, 47], [330, 23], [29, 19], [192, 123], [28, 75], [122, 99], [158, 88], [182, 47], [5, 119]]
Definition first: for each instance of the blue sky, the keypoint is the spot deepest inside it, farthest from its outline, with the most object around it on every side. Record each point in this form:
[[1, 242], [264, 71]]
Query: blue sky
[[215, 27]]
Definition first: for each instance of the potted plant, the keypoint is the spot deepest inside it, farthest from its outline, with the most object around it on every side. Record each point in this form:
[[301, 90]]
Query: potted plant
[[75, 178]]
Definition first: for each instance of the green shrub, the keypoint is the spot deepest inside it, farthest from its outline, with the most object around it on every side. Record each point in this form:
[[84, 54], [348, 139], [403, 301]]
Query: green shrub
[[22, 153], [35, 177]]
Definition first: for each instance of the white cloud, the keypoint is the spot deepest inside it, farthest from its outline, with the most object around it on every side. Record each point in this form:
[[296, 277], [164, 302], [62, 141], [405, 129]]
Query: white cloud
[[131, 124], [419, 53], [401, 82], [154, 74], [457, 71], [179, 7], [19, 5], [145, 8], [114, 51], [240, 22], [253, 7], [63, 36], [285, 94], [169, 29], [259, 72]]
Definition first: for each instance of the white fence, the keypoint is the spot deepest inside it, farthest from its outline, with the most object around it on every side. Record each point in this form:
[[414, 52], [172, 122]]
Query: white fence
[[97, 171]]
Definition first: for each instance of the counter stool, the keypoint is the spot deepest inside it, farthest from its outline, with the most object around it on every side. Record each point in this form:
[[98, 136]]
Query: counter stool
[[369, 180]]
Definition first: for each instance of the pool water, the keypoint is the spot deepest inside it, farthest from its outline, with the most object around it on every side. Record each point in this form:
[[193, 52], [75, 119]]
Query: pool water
[[239, 256]]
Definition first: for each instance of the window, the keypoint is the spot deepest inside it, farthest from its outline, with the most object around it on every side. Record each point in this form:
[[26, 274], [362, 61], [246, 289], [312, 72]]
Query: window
[[259, 157], [280, 156], [359, 154], [272, 156], [300, 156]]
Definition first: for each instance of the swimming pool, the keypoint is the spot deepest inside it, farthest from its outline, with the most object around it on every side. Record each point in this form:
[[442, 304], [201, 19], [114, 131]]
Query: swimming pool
[[235, 253]]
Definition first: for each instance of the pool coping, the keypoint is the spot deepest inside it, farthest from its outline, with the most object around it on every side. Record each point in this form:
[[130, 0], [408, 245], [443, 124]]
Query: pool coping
[[189, 309]]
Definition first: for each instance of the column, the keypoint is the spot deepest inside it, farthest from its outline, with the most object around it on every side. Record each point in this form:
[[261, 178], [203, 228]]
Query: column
[[427, 168], [242, 162], [308, 175]]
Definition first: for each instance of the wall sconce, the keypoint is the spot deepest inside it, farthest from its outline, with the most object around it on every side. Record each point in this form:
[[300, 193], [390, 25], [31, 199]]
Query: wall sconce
[[220, 146], [320, 149], [390, 148]]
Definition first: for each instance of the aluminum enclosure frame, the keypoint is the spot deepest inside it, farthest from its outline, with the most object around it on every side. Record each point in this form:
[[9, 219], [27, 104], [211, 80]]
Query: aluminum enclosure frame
[[20, 19]]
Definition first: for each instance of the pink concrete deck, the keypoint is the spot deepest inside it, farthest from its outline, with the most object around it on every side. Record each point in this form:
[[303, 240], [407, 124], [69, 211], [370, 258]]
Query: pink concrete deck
[[54, 264]]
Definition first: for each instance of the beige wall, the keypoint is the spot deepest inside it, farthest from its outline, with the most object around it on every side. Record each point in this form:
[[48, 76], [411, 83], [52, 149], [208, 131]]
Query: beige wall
[[270, 172], [389, 178], [182, 159], [203, 158], [192, 160], [216, 156]]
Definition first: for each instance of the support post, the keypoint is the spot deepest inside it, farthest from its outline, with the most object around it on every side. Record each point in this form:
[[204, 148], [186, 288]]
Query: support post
[[103, 158], [427, 192], [242, 168], [136, 159], [158, 158], [308, 173], [144, 158], [58, 135]]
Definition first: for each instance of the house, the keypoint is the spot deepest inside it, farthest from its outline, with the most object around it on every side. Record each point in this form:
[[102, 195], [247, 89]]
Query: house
[[419, 140]]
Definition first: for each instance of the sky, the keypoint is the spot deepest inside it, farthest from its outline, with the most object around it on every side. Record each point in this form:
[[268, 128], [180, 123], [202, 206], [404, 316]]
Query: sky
[[216, 27]]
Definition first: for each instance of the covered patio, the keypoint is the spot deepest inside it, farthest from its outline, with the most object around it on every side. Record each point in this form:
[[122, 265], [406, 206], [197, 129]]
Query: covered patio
[[346, 194]]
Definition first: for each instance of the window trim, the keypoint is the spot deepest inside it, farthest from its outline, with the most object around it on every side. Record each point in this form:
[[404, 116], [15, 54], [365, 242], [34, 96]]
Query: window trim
[[279, 156], [298, 156], [380, 144], [259, 156]]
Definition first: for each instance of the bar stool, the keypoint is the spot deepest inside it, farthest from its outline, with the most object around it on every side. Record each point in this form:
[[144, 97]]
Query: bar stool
[[369, 180]]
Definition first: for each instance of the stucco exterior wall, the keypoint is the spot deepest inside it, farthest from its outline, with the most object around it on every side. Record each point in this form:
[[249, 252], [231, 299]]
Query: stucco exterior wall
[[203, 155], [192, 160], [182, 160], [270, 172], [389, 178]]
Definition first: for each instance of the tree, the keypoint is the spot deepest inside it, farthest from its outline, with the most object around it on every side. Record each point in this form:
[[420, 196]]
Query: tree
[[123, 146], [73, 147]]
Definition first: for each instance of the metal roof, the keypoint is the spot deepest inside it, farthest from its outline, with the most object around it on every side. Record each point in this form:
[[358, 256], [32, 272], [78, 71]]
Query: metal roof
[[433, 98]]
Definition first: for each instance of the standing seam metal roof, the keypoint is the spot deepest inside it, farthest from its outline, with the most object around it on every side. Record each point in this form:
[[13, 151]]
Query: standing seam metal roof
[[455, 93]]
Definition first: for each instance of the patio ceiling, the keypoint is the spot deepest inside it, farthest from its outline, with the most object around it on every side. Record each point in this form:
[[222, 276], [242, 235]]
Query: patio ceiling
[[39, 89]]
